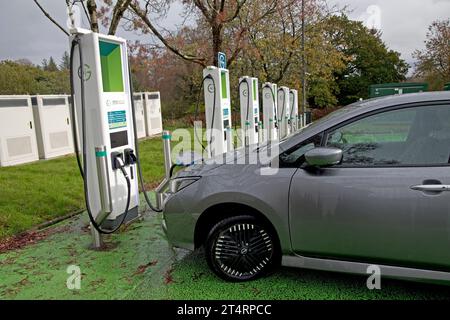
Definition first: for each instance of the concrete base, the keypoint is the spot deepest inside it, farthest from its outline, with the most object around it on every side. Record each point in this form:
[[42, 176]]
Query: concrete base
[[133, 214]]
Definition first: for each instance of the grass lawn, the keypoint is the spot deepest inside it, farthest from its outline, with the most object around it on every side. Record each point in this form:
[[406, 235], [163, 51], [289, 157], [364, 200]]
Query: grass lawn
[[34, 193]]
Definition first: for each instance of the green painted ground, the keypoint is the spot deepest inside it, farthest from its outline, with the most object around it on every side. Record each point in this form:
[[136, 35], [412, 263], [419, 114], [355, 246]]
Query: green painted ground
[[140, 264]]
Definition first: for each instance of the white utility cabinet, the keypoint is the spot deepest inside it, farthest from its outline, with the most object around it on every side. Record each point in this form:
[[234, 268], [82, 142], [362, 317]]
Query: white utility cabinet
[[17, 133], [53, 125], [139, 113], [153, 118]]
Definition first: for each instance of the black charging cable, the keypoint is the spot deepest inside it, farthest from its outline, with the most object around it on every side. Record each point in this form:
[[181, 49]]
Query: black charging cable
[[74, 43], [136, 146]]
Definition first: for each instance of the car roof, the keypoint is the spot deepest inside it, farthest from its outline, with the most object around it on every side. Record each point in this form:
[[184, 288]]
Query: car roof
[[399, 99], [362, 107]]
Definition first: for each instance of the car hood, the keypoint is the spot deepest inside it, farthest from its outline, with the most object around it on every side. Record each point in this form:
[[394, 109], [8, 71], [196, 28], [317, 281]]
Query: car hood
[[252, 155]]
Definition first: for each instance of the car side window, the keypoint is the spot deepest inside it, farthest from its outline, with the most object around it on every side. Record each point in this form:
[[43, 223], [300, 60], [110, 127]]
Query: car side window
[[295, 156], [416, 136]]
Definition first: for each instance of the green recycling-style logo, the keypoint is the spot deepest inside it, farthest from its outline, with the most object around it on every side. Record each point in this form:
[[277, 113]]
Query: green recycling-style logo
[[86, 72]]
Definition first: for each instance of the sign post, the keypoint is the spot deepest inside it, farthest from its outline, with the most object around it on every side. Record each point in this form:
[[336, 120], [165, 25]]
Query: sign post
[[222, 60]]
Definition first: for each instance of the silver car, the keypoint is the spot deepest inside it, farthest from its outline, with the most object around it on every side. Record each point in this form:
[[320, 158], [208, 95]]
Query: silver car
[[366, 185]]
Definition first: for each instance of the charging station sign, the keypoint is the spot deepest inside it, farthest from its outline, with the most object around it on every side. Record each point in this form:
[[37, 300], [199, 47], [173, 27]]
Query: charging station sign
[[117, 119], [222, 60]]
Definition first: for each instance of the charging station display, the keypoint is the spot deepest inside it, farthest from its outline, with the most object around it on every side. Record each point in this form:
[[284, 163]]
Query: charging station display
[[217, 109], [269, 105], [249, 101], [104, 116], [283, 113], [295, 119]]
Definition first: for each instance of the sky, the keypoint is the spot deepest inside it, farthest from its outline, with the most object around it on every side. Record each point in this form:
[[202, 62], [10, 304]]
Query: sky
[[26, 33]]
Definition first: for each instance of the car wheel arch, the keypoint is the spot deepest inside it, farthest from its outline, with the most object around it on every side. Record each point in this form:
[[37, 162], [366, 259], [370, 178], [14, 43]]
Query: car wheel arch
[[218, 212]]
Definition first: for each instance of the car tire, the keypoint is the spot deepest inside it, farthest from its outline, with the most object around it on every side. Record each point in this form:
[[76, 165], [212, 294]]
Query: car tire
[[241, 248]]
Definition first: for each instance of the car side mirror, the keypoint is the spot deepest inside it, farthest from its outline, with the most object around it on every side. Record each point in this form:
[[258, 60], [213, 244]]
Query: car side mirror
[[323, 157]]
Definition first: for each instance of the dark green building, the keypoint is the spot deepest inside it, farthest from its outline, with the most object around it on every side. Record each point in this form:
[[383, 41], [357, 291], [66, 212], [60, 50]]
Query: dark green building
[[388, 89]]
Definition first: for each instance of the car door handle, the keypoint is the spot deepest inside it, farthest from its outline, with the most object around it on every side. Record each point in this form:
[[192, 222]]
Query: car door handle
[[431, 188]]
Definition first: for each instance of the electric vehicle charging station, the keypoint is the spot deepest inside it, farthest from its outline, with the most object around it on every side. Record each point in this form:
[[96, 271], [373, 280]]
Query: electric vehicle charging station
[[283, 111], [152, 112], [269, 104], [295, 119], [18, 143], [53, 128], [104, 113], [217, 110], [140, 115], [249, 101]]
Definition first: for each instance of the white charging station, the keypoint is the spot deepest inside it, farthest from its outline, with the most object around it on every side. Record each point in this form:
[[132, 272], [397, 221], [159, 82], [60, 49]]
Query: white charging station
[[249, 101], [152, 109], [53, 125], [269, 104], [17, 131], [217, 110], [283, 107], [294, 117], [111, 177], [139, 112]]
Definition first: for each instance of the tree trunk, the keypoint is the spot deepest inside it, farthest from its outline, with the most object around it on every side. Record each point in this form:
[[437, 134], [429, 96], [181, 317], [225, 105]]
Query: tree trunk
[[217, 42], [92, 9]]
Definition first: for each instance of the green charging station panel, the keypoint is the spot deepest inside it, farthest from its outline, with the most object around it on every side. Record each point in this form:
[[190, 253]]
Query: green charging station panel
[[447, 87], [111, 62], [388, 89], [223, 82]]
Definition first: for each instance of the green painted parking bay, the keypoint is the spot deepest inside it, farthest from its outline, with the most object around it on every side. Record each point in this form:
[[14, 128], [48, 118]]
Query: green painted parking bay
[[138, 263]]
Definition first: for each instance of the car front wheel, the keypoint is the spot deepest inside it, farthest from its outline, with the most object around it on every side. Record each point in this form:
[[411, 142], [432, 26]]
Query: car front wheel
[[241, 248]]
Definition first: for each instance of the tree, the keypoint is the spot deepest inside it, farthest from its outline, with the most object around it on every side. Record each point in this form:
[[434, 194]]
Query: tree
[[218, 17], [275, 49], [368, 60], [25, 78], [433, 63], [44, 64], [65, 61], [51, 65]]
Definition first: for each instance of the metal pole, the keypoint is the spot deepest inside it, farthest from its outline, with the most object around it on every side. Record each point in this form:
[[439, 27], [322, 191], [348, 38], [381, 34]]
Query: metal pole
[[271, 130], [166, 136], [229, 138], [167, 152], [103, 184], [304, 101], [260, 133], [97, 240], [104, 188]]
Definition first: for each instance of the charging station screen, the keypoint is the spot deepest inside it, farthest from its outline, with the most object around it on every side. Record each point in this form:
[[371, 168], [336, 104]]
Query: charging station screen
[[223, 81], [111, 62], [254, 90], [119, 139]]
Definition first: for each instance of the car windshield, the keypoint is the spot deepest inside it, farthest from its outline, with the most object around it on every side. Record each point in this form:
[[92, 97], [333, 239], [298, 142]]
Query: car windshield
[[331, 115], [313, 125]]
